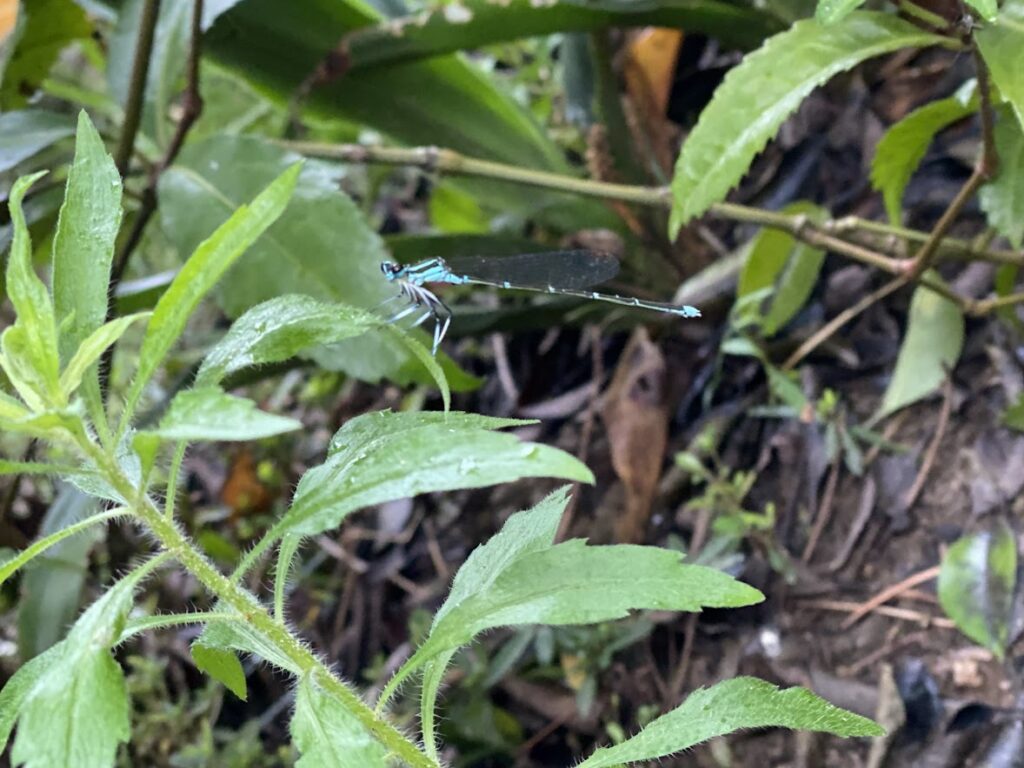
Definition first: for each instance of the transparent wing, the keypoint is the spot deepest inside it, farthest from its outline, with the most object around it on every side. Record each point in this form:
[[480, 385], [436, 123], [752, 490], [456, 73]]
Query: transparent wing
[[557, 269]]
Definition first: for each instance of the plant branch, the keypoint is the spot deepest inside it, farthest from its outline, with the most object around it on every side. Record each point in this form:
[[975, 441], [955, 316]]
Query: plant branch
[[192, 108], [137, 85], [983, 170], [249, 608], [837, 322]]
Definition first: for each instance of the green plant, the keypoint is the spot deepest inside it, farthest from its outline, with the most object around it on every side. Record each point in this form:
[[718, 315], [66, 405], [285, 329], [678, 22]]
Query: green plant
[[50, 357]]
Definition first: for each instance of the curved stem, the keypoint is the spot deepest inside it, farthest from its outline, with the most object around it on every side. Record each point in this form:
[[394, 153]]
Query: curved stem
[[251, 610]]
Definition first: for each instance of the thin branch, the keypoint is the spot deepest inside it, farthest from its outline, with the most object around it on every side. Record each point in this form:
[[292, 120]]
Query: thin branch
[[983, 170], [192, 108], [137, 85], [848, 314]]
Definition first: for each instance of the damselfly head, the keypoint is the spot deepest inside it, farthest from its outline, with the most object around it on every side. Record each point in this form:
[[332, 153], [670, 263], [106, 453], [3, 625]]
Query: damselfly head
[[390, 269]]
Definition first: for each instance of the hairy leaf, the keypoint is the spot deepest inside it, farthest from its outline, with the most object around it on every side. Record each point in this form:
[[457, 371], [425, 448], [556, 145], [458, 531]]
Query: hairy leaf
[[384, 456], [279, 329], [931, 346], [83, 247], [977, 585], [209, 413], [732, 705], [92, 347], [222, 665], [764, 89], [901, 149], [1002, 47], [326, 734], [1002, 198], [211, 259], [30, 345]]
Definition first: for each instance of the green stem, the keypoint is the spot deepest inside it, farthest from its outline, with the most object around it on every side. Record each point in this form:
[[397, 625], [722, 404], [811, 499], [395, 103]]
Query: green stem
[[251, 610], [148, 623], [172, 478]]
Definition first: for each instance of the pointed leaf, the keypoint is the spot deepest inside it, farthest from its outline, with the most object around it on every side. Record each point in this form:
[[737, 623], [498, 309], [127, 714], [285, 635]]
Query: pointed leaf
[[279, 329], [977, 584], [901, 149], [83, 246], [209, 413], [1002, 198], [222, 665], [33, 337], [326, 734], [764, 89], [384, 456], [732, 705], [211, 259], [92, 347], [1002, 47], [78, 711], [931, 347]]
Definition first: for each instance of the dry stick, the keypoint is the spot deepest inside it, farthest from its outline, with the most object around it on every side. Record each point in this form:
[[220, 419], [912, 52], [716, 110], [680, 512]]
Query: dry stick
[[434, 159], [137, 86], [848, 314], [824, 510], [888, 594], [983, 170], [903, 614], [933, 447]]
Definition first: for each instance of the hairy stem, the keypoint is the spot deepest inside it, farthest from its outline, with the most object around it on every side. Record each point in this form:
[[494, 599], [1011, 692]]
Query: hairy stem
[[254, 613]]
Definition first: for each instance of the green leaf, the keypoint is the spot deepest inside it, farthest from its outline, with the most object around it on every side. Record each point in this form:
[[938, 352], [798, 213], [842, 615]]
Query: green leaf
[[30, 345], [279, 329], [384, 456], [764, 89], [988, 9], [326, 734], [777, 259], [322, 246], [1014, 415], [241, 636], [210, 260], [92, 348], [209, 413], [223, 666], [26, 132], [1002, 47], [931, 347], [834, 11], [901, 149], [83, 246], [1002, 198], [51, 590], [17, 689], [456, 104], [740, 703], [77, 712], [977, 583], [50, 25], [476, 23], [521, 577]]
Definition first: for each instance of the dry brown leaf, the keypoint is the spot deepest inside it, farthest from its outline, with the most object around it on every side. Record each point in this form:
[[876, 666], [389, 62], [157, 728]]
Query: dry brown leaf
[[635, 414]]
